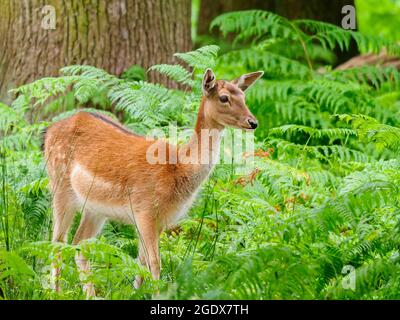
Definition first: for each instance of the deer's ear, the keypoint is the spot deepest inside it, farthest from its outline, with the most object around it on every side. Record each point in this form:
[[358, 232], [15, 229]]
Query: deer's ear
[[246, 80], [208, 81]]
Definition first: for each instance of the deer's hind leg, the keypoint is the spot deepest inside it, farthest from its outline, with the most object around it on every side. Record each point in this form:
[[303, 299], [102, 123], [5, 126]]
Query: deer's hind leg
[[90, 225], [63, 215]]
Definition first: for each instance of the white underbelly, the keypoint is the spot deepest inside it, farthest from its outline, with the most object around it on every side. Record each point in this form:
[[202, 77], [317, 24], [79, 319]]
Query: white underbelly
[[122, 213], [103, 198], [100, 197]]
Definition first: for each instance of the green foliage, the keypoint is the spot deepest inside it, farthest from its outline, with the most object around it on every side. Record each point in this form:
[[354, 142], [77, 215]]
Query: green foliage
[[323, 192], [379, 17], [257, 25], [134, 73]]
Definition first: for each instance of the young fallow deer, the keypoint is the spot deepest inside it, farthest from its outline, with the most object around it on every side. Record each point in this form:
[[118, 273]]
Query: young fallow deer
[[98, 167]]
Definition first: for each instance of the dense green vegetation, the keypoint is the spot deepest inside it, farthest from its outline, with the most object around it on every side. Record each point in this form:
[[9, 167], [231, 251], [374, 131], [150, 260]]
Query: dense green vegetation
[[379, 18], [324, 192]]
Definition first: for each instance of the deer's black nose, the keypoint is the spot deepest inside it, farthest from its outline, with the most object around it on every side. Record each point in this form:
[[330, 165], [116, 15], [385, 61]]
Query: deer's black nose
[[253, 123]]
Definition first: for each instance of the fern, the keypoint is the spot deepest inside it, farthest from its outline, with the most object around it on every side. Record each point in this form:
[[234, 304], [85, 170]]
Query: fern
[[321, 193], [368, 128], [369, 74], [252, 24], [313, 132], [330, 35], [274, 64], [174, 72], [201, 58]]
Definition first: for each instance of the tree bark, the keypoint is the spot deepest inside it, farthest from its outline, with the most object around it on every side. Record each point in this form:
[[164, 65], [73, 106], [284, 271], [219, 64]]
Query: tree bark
[[327, 11], [109, 34]]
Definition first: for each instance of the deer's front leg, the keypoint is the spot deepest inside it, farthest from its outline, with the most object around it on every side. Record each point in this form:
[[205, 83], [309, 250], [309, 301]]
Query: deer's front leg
[[149, 255]]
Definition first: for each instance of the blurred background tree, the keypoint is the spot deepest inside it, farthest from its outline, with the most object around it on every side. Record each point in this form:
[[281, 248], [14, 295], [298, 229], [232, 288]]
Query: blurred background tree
[[109, 34]]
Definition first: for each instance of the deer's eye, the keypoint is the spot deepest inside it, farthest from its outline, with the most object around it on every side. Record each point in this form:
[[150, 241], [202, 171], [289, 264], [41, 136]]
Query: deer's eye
[[224, 99]]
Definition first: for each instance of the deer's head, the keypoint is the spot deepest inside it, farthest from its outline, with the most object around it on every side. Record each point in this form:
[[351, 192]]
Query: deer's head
[[224, 101]]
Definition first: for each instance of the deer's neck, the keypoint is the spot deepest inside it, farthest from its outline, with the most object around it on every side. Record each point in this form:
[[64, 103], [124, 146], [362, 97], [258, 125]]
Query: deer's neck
[[206, 138], [202, 151]]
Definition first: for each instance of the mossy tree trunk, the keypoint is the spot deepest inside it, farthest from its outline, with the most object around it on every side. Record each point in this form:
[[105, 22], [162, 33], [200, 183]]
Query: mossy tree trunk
[[109, 34]]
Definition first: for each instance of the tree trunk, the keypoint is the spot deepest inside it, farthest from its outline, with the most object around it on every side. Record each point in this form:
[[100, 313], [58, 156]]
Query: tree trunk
[[327, 11], [109, 34]]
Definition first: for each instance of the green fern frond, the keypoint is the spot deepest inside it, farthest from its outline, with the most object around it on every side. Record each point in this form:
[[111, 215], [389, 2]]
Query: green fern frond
[[323, 152], [10, 118], [331, 36], [202, 58], [274, 64], [374, 75], [368, 128], [43, 89], [342, 133], [252, 24], [174, 72]]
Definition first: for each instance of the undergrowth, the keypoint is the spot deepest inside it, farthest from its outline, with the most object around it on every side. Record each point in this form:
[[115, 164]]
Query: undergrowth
[[321, 198]]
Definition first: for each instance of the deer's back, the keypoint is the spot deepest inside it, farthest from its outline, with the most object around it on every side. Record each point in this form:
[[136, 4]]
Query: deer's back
[[105, 166]]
